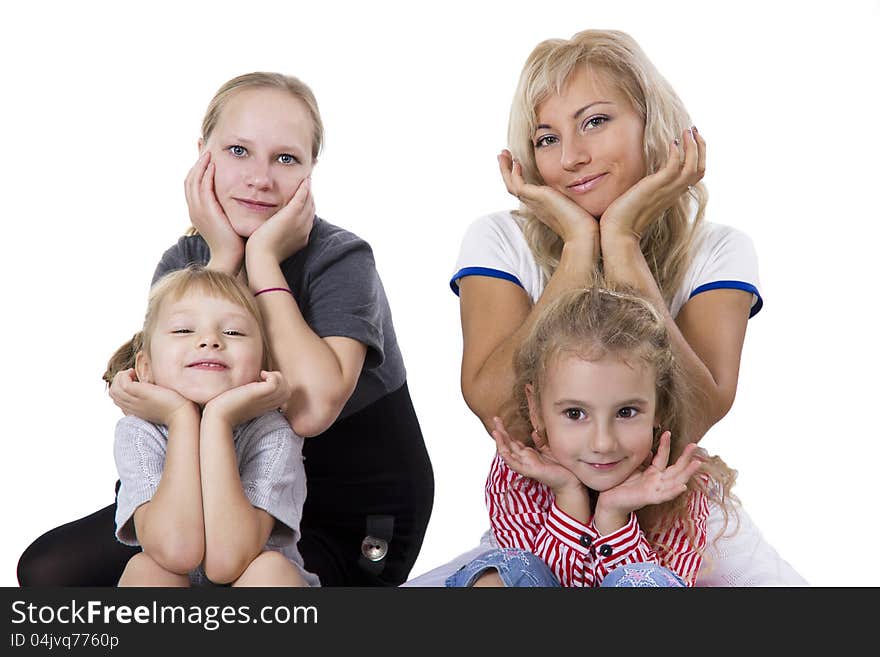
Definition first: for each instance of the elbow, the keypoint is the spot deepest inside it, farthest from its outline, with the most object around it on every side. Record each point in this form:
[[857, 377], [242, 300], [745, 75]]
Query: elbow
[[316, 419], [178, 555], [224, 566], [480, 404], [716, 406]]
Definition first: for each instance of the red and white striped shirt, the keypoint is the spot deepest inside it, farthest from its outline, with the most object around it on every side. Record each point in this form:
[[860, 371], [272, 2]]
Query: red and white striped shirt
[[524, 515]]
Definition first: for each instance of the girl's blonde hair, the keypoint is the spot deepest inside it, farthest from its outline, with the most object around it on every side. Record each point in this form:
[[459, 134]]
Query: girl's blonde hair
[[595, 322], [668, 241], [174, 286]]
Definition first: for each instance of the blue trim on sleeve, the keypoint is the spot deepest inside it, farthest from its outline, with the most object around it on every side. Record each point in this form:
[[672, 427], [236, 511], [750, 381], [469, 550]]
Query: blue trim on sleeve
[[733, 285], [482, 271]]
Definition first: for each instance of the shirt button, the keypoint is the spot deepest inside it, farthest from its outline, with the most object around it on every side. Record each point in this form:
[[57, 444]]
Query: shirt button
[[606, 550], [585, 540], [374, 548]]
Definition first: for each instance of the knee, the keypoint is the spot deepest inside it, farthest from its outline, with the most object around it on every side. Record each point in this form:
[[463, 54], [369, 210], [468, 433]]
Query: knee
[[270, 568], [512, 566], [38, 566], [638, 575]]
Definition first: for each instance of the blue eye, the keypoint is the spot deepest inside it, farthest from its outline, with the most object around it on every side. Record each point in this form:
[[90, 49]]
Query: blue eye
[[627, 412], [287, 158], [237, 151]]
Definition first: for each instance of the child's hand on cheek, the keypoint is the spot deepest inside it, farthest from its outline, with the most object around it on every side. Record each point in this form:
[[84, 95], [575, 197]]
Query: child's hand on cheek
[[148, 401], [287, 231], [537, 464], [654, 484], [251, 400]]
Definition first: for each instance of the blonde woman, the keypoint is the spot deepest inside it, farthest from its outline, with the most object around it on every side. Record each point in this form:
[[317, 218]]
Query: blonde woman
[[607, 164], [330, 334]]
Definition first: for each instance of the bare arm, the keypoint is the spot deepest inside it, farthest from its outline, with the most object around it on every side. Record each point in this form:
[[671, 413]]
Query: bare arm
[[235, 531], [322, 372], [170, 527], [496, 316], [707, 336]]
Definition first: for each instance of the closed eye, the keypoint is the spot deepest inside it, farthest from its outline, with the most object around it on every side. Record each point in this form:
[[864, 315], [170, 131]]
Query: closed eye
[[182, 330], [233, 332]]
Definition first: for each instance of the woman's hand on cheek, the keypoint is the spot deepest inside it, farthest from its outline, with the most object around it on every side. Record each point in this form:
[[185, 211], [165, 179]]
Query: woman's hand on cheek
[[148, 401], [558, 212], [533, 462], [250, 400], [632, 213], [287, 231], [208, 217]]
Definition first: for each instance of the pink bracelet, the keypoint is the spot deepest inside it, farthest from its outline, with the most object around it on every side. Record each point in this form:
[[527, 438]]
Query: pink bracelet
[[273, 289]]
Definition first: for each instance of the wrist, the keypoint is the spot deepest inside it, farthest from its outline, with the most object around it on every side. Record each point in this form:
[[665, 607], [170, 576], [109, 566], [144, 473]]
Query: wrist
[[608, 520], [580, 254], [186, 414], [227, 261], [215, 415]]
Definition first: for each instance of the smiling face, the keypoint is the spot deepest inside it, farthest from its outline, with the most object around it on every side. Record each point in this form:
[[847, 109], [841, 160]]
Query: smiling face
[[261, 147], [202, 346], [589, 141], [598, 416]]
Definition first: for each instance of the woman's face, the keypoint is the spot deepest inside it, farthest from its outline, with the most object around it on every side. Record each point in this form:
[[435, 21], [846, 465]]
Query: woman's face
[[589, 141], [261, 147]]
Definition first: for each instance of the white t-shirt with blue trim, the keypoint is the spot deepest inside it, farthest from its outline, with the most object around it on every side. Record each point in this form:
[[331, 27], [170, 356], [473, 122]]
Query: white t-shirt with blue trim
[[494, 245]]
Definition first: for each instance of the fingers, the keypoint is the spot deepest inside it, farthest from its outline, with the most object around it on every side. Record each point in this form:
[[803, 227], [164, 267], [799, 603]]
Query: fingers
[[207, 197], [690, 166], [193, 180], [505, 164], [701, 149], [661, 459]]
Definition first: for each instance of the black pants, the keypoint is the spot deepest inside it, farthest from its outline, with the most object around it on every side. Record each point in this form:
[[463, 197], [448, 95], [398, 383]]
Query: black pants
[[373, 462]]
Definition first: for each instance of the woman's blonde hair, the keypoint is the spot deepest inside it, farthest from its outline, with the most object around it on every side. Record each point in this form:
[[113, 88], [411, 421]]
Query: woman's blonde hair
[[668, 241], [174, 286], [294, 86], [595, 322]]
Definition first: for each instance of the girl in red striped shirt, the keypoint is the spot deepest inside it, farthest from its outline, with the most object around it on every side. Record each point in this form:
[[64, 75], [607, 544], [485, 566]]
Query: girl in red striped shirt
[[609, 490]]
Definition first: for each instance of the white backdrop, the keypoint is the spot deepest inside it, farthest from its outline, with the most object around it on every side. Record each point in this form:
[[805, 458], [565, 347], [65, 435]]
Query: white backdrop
[[101, 111]]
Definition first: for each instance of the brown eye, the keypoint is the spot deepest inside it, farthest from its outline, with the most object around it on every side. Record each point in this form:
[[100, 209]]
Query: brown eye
[[627, 412], [574, 413]]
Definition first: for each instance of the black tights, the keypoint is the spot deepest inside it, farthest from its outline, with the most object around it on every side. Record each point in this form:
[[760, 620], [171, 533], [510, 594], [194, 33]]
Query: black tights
[[373, 462]]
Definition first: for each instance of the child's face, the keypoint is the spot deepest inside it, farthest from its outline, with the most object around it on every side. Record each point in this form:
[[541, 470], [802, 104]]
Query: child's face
[[202, 346], [598, 416], [262, 150]]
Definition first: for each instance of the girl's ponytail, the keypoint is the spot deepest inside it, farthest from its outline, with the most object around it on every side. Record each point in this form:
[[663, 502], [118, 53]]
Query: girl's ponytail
[[123, 359]]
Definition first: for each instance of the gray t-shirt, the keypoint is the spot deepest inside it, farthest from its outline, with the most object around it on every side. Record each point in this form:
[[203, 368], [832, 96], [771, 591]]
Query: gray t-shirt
[[339, 293], [270, 464]]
